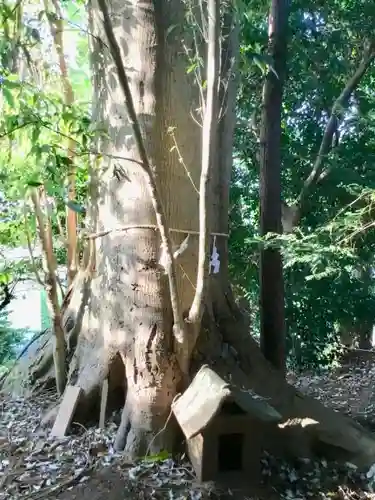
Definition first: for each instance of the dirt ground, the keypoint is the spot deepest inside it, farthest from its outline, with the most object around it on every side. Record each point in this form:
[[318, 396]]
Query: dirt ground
[[111, 484], [84, 465], [103, 484]]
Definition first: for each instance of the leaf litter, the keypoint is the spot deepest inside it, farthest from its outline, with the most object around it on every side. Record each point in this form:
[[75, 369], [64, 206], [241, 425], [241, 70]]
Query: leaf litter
[[34, 465], [348, 389]]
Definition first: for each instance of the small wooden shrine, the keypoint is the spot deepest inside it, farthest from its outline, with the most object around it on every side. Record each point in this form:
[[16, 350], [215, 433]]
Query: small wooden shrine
[[222, 425]]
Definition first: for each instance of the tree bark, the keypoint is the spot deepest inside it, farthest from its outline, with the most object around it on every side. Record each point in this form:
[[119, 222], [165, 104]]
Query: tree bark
[[50, 283], [365, 335], [56, 24], [272, 321], [134, 316]]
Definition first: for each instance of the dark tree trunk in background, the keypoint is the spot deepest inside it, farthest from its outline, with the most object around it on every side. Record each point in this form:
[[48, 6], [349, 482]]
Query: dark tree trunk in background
[[272, 321]]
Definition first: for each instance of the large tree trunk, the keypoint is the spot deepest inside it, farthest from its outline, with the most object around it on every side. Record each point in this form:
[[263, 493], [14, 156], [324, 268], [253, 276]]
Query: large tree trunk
[[118, 318], [129, 311]]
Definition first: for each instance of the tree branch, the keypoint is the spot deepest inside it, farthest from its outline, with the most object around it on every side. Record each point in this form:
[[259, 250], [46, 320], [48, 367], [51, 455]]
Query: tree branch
[[331, 127], [32, 258], [57, 32], [209, 139], [178, 327]]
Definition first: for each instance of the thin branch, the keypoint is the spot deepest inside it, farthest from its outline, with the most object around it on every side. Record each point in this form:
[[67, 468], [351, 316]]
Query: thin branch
[[82, 153], [105, 232], [205, 28], [31, 253], [181, 160], [7, 16], [331, 127], [61, 288], [178, 327], [44, 236], [209, 139], [18, 127], [99, 154], [42, 124], [198, 73]]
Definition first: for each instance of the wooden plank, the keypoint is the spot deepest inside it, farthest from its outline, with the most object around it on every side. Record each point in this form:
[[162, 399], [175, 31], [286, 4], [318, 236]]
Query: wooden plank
[[103, 404], [66, 411]]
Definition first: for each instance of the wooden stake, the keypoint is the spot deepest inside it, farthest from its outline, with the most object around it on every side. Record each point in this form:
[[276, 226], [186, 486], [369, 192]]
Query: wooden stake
[[66, 411], [103, 404]]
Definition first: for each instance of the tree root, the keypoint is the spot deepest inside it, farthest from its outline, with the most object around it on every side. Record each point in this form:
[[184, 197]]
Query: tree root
[[123, 430], [34, 368], [23, 352]]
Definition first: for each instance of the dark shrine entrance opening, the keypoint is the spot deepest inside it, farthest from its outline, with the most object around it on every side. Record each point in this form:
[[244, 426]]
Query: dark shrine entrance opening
[[231, 452], [231, 408]]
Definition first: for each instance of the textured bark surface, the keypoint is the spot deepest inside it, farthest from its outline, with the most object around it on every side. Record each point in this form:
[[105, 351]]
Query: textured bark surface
[[128, 312]]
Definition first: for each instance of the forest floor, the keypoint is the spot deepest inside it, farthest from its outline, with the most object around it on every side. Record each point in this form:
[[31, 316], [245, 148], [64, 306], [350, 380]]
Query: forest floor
[[84, 466]]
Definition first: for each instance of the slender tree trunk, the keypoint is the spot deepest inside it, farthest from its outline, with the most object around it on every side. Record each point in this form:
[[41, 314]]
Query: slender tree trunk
[[365, 336], [271, 269], [51, 286], [56, 23], [365, 326]]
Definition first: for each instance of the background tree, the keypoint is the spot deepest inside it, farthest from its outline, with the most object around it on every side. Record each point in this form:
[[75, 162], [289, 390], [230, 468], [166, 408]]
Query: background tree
[[322, 258], [272, 322]]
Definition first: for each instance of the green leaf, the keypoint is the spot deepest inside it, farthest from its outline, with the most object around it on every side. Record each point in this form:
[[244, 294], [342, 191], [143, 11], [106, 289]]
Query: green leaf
[[264, 62], [159, 457], [76, 207], [11, 82], [45, 148], [63, 161], [34, 183], [4, 278], [170, 29], [8, 96], [192, 68], [35, 134]]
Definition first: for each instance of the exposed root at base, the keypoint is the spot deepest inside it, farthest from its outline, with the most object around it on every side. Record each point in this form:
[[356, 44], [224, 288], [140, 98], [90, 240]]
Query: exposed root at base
[[123, 431]]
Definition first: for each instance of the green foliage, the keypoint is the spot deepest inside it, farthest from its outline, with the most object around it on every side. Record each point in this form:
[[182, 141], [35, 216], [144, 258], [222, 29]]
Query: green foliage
[[42, 140], [37, 130], [10, 339], [41, 126], [328, 259]]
